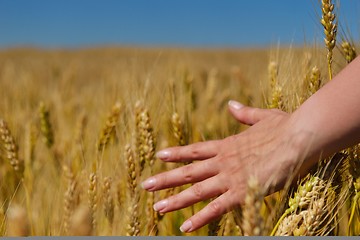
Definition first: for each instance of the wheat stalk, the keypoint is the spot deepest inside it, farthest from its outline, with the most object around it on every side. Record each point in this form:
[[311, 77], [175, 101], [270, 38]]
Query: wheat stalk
[[312, 219], [108, 202], [69, 198], [355, 175], [306, 193], [80, 128], [178, 129], [79, 137], [229, 225], [109, 129], [93, 198], [277, 100], [145, 139], [214, 227], [146, 145], [253, 223], [30, 142], [315, 81], [2, 221], [133, 226], [119, 194], [273, 71], [45, 125], [348, 51], [330, 30], [289, 225], [10, 148]]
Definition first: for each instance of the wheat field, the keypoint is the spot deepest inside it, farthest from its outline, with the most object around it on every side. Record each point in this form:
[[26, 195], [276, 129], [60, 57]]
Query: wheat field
[[79, 130]]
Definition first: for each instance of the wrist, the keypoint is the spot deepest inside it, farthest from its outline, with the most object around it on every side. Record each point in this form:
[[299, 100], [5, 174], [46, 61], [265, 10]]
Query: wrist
[[304, 142]]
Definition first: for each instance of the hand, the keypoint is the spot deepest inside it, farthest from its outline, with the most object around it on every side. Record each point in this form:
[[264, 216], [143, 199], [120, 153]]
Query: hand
[[269, 150]]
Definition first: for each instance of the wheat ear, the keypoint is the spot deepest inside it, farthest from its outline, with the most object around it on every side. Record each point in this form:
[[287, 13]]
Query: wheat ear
[[355, 174], [253, 223], [306, 193], [133, 226], [289, 225], [330, 30], [93, 198], [312, 218], [276, 100], [315, 80], [45, 125], [10, 148], [108, 202], [69, 198], [145, 139], [109, 129], [178, 129], [79, 137], [349, 51], [214, 227]]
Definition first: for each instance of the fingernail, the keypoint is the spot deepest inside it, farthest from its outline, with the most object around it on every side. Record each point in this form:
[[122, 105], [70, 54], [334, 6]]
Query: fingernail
[[235, 105], [160, 205], [187, 225], [149, 183], [164, 154]]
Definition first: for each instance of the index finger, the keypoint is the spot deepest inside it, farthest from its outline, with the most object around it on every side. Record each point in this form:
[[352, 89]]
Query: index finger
[[196, 151]]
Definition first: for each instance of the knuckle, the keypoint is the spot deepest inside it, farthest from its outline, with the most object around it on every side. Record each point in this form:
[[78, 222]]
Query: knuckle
[[187, 172], [194, 152], [197, 191], [215, 208], [173, 201]]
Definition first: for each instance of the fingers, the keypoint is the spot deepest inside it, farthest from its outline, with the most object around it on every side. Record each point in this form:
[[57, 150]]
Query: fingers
[[190, 173], [213, 210], [196, 151], [248, 115], [198, 192]]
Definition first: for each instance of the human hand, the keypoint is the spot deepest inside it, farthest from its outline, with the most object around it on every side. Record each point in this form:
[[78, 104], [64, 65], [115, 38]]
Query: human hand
[[268, 150]]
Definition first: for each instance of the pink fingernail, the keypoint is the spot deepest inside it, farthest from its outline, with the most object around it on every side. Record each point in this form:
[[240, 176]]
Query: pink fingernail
[[187, 225], [235, 105], [160, 205], [149, 183], [163, 155]]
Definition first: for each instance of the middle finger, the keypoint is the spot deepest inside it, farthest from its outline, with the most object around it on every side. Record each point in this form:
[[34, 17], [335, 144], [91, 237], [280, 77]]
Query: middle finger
[[190, 173]]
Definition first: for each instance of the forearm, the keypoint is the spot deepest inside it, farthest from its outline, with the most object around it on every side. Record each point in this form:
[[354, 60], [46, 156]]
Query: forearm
[[332, 115]]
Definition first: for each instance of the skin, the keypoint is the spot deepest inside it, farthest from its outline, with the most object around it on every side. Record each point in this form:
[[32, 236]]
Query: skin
[[276, 144]]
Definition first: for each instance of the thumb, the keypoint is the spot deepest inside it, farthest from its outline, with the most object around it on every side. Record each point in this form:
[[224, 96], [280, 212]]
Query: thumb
[[247, 115]]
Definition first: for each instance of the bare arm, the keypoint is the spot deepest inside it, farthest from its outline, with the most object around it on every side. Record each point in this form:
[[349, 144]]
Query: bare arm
[[333, 113], [275, 143]]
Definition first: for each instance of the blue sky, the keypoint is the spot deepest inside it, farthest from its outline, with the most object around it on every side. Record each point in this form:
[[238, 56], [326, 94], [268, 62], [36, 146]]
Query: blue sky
[[194, 23]]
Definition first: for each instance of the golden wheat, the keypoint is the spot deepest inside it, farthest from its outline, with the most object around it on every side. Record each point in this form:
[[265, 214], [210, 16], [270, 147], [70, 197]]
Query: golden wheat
[[253, 223], [10, 148], [109, 130], [348, 51], [330, 30], [45, 125]]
